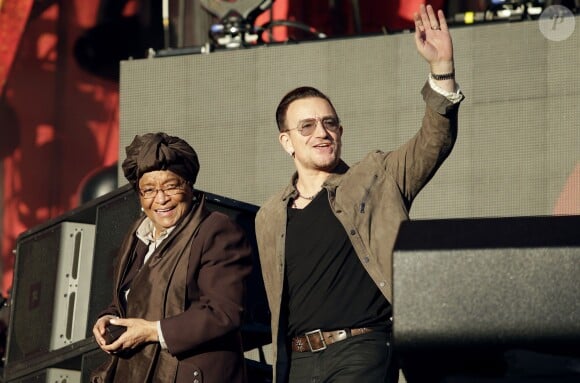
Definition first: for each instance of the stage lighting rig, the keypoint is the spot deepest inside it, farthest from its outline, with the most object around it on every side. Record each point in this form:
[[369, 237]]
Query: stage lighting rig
[[508, 10], [237, 17], [503, 10], [514, 10]]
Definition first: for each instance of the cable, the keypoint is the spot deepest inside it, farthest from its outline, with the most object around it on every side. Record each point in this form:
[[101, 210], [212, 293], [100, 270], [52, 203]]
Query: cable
[[293, 24]]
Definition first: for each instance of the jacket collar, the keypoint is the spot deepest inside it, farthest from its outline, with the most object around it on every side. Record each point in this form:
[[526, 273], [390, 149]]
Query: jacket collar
[[330, 184]]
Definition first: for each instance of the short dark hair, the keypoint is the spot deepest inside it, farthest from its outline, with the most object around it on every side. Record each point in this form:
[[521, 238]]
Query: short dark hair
[[297, 94]]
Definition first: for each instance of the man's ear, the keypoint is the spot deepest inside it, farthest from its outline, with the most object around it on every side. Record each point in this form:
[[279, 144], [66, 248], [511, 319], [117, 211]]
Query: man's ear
[[286, 143]]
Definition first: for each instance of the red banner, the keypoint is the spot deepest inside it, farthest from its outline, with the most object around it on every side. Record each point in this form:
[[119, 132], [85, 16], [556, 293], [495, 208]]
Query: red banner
[[13, 17], [367, 17]]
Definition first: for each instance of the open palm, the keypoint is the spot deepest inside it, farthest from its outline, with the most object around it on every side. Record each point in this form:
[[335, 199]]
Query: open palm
[[432, 36]]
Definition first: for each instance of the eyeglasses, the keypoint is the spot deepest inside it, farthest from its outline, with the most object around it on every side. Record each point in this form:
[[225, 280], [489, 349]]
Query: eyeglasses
[[167, 190], [307, 126]]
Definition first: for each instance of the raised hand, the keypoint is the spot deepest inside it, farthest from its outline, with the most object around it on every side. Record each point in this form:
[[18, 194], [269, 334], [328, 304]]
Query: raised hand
[[433, 40]]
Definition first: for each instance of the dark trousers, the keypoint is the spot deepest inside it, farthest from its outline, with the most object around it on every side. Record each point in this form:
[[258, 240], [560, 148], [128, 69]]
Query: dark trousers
[[363, 358]]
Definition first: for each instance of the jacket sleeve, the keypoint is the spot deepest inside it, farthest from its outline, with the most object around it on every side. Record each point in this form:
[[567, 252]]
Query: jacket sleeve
[[219, 263], [415, 162]]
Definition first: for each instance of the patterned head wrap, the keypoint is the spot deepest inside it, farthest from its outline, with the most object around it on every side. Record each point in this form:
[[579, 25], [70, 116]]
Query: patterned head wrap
[[159, 151]]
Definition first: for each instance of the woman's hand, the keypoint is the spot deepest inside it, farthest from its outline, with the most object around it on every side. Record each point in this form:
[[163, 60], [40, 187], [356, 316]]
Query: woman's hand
[[100, 329], [139, 332]]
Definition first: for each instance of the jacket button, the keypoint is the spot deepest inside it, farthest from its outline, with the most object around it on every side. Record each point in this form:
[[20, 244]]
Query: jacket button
[[382, 284], [196, 373], [352, 231], [366, 259]]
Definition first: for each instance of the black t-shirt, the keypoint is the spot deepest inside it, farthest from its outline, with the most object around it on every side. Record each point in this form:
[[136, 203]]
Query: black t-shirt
[[327, 286]]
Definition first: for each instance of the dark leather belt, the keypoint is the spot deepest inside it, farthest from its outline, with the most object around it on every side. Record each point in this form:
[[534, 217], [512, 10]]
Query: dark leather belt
[[318, 340]]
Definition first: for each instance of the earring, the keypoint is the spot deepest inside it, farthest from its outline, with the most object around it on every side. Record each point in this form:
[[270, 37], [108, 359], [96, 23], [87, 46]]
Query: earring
[[142, 210]]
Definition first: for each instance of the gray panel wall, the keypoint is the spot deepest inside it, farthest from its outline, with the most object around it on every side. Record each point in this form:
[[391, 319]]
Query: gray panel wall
[[519, 137]]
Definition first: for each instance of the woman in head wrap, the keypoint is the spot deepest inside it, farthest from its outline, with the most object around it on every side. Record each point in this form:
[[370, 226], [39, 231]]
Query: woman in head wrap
[[179, 282]]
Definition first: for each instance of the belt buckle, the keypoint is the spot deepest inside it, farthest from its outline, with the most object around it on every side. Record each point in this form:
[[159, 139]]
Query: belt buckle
[[319, 333]]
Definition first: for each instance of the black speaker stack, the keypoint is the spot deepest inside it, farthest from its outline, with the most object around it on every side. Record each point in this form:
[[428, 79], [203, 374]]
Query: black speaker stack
[[63, 279], [493, 298]]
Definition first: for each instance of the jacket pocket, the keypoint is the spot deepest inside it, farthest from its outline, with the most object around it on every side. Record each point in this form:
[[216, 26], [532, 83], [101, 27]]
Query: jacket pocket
[[366, 197]]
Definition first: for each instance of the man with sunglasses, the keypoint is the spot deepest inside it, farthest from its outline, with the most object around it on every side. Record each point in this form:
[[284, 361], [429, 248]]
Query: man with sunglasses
[[326, 240]]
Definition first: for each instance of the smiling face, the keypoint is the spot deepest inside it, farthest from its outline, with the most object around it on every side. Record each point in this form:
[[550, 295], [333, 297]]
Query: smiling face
[[320, 151], [164, 210]]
